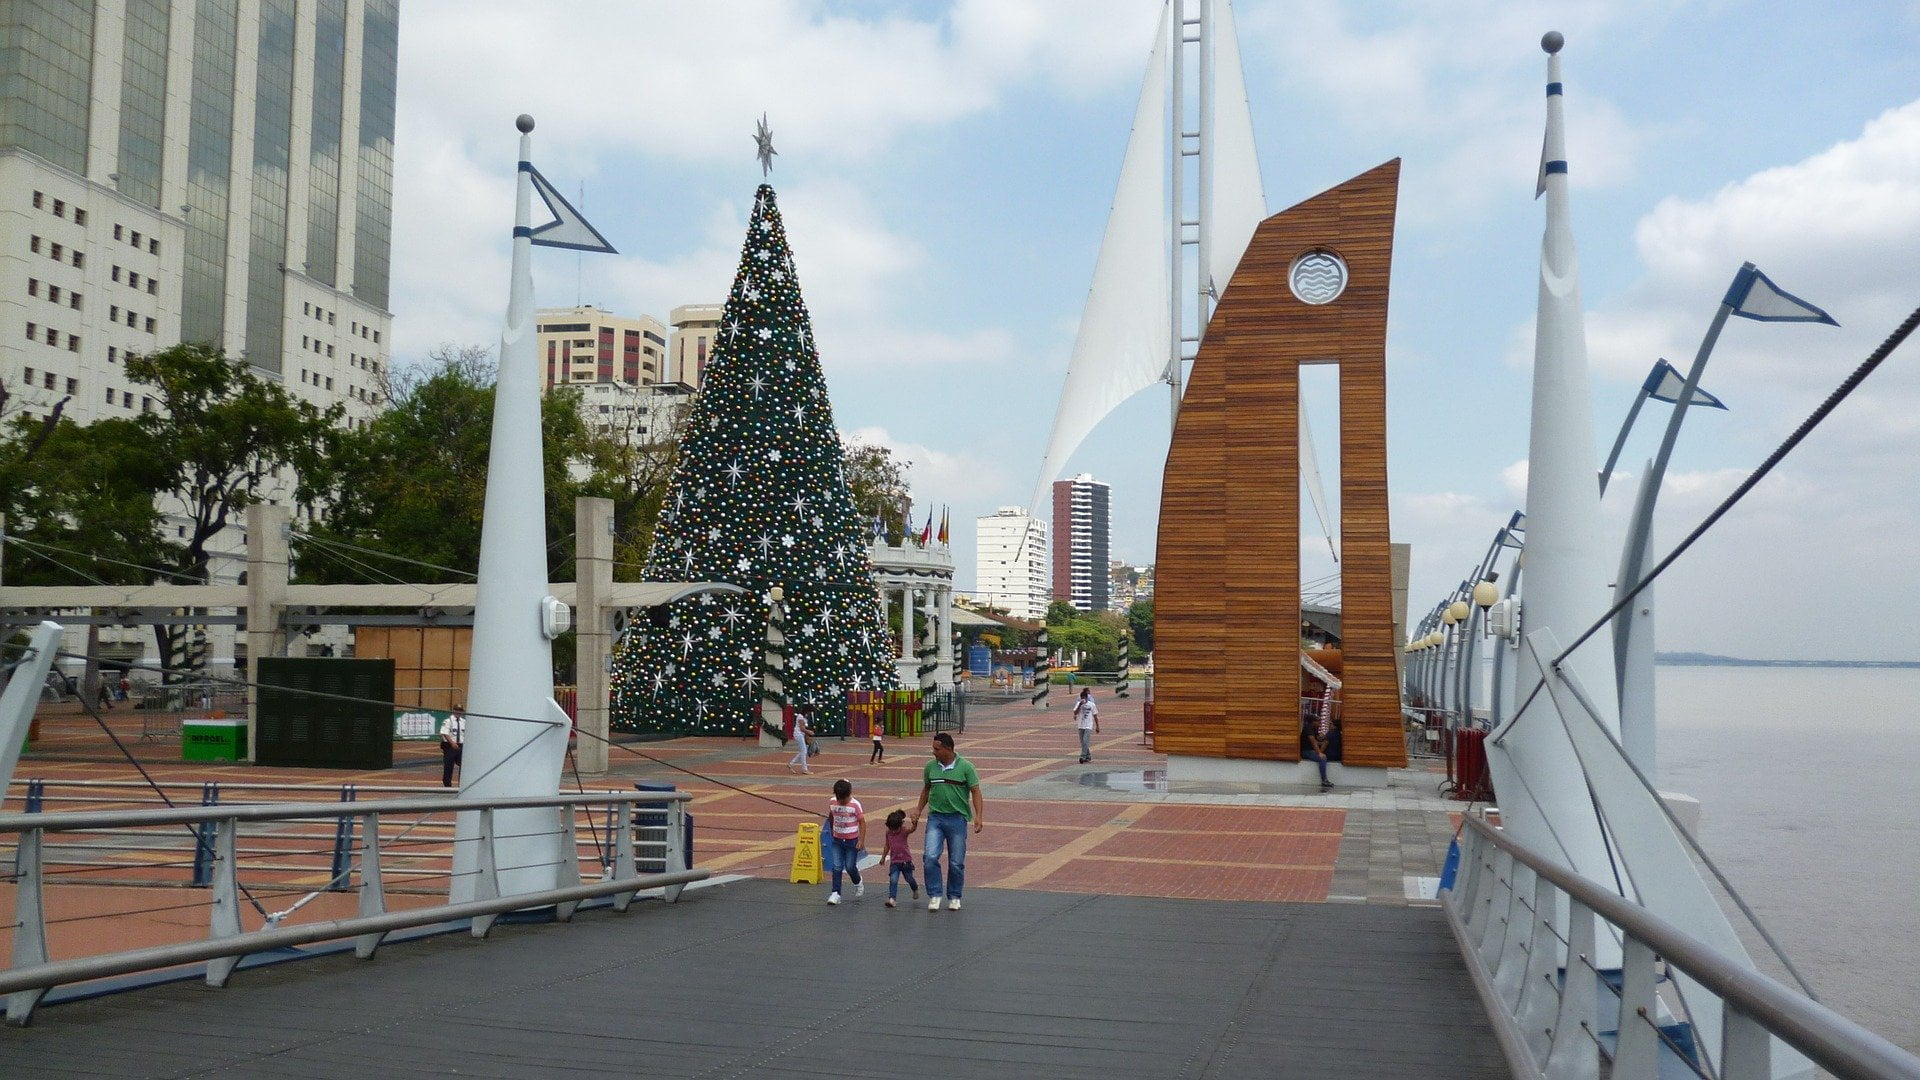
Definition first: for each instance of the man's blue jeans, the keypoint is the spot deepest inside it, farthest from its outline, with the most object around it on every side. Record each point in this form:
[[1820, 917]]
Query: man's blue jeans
[[947, 831]]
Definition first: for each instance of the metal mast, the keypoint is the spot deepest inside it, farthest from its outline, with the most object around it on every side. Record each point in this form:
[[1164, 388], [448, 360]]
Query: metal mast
[[1195, 143]]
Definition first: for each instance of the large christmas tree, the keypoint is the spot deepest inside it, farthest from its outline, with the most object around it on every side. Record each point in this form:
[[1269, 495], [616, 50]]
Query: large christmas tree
[[760, 499]]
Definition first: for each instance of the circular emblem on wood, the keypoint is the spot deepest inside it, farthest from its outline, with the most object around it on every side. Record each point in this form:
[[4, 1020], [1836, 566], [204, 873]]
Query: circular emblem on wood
[[1318, 276]]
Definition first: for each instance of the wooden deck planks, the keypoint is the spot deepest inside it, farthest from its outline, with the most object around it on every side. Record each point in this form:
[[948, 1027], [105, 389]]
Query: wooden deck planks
[[759, 978]]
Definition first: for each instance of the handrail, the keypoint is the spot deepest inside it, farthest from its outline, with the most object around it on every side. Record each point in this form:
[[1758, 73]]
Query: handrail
[[1757, 1006], [76, 820], [33, 973]]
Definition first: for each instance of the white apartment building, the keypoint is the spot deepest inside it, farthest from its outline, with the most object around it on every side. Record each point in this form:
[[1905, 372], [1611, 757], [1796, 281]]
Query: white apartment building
[[220, 172], [640, 415], [586, 345], [694, 328], [1011, 562]]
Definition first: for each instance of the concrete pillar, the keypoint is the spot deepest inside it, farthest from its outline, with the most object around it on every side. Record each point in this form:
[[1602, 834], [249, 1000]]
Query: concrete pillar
[[906, 623], [266, 601], [946, 636], [593, 581]]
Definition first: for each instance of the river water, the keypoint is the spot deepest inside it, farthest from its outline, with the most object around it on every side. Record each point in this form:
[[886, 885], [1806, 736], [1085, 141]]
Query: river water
[[1809, 780]]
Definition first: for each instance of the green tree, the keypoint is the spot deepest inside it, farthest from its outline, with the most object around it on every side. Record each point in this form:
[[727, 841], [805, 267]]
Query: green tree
[[878, 482], [1140, 621], [86, 492], [413, 482], [223, 439], [1061, 613], [226, 438], [761, 499]]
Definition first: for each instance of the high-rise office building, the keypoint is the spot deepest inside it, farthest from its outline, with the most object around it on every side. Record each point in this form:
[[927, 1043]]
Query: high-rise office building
[[1081, 552], [212, 171], [1010, 562]]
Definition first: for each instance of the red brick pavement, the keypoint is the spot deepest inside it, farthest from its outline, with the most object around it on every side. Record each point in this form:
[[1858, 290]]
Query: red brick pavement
[[747, 805]]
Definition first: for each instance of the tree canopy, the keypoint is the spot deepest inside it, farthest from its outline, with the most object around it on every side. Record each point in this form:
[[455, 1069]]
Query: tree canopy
[[413, 483]]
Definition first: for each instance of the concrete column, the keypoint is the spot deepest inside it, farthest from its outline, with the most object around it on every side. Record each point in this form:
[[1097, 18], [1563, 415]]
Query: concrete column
[[103, 119], [266, 601], [593, 581], [906, 623], [946, 635]]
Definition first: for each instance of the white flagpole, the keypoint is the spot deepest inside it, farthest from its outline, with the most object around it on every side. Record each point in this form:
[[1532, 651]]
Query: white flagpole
[[1544, 801], [516, 736]]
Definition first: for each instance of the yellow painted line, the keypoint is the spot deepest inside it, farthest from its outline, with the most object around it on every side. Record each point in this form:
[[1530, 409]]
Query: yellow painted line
[[1075, 848]]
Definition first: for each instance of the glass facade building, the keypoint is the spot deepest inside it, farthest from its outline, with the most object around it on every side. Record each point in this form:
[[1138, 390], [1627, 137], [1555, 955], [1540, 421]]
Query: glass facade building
[[254, 136]]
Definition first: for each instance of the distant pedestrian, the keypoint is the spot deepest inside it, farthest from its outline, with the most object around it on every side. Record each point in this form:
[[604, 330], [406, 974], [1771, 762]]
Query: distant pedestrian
[[847, 821], [879, 755], [1086, 717], [105, 696], [126, 687], [950, 790], [453, 741], [1315, 738], [899, 856], [801, 729]]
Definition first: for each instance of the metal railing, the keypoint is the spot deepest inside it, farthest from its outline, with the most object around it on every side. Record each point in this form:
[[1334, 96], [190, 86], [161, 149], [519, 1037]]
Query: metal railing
[[31, 973], [1526, 927], [163, 707]]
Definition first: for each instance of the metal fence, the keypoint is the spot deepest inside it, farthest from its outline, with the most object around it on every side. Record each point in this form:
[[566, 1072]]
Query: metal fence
[[1527, 929], [45, 845], [945, 710], [163, 707]]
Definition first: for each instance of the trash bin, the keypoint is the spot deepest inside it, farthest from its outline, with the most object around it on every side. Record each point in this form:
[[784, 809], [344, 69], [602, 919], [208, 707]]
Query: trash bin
[[213, 740], [1471, 780], [650, 833]]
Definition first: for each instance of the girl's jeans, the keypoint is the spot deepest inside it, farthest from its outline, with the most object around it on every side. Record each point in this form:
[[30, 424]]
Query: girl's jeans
[[897, 871]]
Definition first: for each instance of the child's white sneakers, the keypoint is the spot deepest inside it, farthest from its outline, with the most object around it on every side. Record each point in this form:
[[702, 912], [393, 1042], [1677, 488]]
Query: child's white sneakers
[[953, 904], [933, 904], [859, 889], [833, 898]]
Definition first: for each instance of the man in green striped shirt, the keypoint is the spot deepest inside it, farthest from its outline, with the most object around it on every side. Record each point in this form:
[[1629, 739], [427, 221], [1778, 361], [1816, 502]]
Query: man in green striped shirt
[[949, 784]]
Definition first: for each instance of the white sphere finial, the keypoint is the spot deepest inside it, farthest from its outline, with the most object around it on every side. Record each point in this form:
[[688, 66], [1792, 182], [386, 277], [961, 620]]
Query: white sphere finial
[[525, 123], [1553, 42]]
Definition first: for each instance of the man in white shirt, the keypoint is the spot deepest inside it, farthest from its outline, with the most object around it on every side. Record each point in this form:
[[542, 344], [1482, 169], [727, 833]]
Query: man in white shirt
[[1086, 716], [453, 736]]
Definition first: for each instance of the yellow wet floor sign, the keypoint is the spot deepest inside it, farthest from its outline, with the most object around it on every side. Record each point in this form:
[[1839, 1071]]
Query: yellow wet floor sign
[[806, 854]]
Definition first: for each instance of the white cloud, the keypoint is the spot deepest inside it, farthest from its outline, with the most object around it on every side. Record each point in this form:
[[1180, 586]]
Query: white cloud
[[1424, 69]]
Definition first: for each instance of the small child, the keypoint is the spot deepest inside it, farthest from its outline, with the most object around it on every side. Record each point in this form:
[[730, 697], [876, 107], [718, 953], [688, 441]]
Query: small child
[[879, 755], [899, 858], [848, 821]]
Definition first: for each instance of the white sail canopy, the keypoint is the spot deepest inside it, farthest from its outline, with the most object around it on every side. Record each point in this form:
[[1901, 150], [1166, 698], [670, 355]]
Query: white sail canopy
[[1239, 198], [1122, 345]]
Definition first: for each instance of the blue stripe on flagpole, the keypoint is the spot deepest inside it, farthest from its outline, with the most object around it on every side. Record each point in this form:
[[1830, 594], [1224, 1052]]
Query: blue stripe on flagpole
[[526, 166], [522, 230], [1554, 88], [1554, 167]]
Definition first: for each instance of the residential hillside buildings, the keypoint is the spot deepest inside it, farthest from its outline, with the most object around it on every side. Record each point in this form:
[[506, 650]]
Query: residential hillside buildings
[[1011, 563], [1081, 549]]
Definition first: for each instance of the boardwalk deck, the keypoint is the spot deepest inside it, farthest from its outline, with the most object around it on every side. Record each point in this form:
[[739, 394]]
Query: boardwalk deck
[[758, 978]]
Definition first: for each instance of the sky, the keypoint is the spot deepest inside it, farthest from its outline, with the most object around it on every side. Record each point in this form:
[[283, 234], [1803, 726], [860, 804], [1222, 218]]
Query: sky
[[945, 171]]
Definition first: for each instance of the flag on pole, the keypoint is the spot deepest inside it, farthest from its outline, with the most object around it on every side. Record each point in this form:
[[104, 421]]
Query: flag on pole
[[568, 229], [926, 531], [879, 528], [1665, 382], [943, 526], [1753, 295]]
